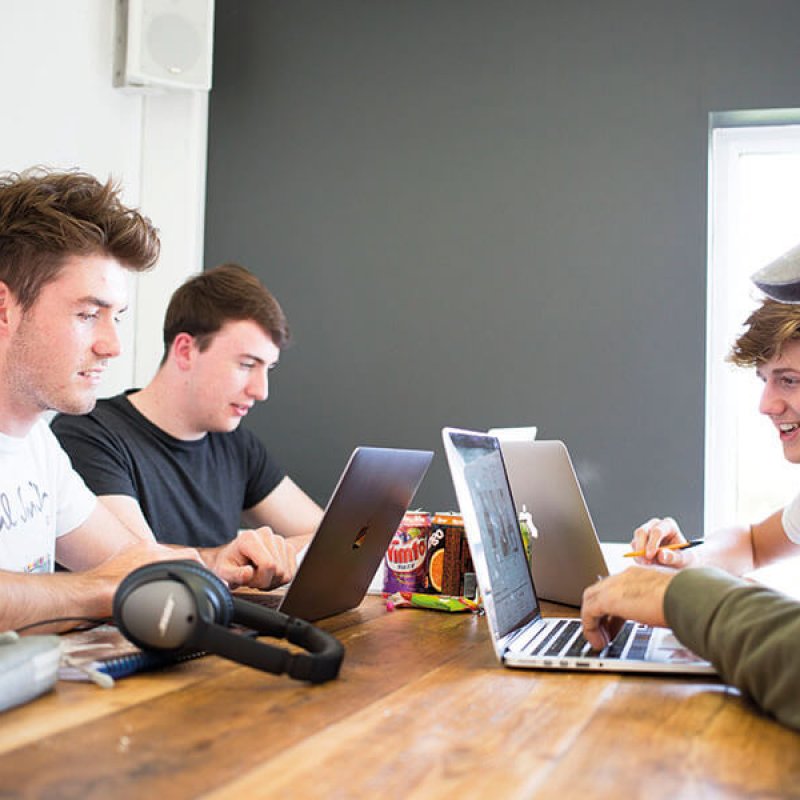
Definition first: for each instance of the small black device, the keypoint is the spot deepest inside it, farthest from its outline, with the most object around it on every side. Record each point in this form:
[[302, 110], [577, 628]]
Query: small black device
[[181, 607]]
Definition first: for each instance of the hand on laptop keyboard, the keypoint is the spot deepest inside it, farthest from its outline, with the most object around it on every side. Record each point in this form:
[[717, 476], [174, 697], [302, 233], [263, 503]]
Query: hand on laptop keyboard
[[637, 594]]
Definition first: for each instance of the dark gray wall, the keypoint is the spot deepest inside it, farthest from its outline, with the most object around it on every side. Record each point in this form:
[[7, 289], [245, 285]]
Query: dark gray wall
[[485, 212]]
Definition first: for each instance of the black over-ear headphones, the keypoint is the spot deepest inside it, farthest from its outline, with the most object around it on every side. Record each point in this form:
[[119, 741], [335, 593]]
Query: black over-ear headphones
[[181, 607]]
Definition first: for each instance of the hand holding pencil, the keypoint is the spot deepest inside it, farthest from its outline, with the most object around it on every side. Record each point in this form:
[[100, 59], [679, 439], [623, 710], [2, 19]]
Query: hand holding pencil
[[660, 541], [676, 546]]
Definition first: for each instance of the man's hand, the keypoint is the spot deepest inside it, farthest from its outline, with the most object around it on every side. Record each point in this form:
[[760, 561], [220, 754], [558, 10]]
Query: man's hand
[[637, 594], [256, 558], [654, 536]]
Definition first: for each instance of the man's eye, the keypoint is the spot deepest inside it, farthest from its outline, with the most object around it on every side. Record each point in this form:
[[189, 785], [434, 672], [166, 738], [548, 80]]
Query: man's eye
[[246, 365], [86, 315]]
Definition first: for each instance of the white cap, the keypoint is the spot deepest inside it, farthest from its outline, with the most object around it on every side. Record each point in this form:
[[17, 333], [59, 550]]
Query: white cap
[[780, 279]]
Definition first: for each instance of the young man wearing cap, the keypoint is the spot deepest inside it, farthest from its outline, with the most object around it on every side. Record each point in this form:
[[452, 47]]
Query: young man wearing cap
[[172, 458], [750, 633], [67, 244]]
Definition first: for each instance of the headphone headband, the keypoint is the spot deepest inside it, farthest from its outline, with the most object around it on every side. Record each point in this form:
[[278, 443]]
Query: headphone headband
[[180, 606]]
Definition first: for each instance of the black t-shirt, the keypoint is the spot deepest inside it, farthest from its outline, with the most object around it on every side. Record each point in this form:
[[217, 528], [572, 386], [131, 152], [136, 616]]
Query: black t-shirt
[[191, 493]]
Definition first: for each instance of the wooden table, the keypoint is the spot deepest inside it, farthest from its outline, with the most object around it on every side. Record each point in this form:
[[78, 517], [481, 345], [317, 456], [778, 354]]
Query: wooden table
[[421, 710]]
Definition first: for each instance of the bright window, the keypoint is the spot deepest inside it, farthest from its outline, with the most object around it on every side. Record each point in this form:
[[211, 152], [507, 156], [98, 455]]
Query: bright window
[[754, 195]]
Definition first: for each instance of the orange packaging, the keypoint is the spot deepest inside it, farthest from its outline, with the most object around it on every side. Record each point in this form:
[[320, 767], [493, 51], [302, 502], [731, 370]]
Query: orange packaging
[[444, 563]]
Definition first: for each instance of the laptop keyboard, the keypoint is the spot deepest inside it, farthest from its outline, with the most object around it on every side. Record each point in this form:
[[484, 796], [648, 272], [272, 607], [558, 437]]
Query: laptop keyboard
[[578, 647], [548, 638], [565, 639], [565, 635], [616, 647], [641, 638]]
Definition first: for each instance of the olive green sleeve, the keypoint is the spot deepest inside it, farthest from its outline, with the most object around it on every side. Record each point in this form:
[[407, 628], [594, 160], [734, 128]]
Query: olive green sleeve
[[751, 634]]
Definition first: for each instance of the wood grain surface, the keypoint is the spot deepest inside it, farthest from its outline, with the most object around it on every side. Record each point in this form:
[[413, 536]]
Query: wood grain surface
[[422, 709]]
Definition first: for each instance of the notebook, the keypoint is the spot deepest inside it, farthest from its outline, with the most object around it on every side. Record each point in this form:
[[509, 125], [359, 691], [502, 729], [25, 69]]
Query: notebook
[[520, 635], [566, 554], [104, 650], [365, 509]]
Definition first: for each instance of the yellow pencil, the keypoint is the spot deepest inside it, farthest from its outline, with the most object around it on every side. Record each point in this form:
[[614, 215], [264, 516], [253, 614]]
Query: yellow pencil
[[680, 546]]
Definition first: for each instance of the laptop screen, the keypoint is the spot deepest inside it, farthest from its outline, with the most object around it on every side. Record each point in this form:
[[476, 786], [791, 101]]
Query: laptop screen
[[492, 528]]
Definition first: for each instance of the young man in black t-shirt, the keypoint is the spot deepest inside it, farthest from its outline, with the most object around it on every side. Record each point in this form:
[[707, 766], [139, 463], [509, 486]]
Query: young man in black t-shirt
[[171, 458]]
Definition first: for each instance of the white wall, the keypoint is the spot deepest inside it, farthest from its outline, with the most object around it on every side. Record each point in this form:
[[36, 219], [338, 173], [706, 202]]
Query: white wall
[[58, 108]]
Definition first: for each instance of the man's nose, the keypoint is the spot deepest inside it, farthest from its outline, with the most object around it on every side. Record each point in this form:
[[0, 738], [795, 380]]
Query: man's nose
[[258, 387], [770, 403], [107, 344]]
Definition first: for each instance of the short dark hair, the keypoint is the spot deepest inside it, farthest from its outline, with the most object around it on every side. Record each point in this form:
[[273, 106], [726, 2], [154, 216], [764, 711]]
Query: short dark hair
[[47, 216], [227, 293]]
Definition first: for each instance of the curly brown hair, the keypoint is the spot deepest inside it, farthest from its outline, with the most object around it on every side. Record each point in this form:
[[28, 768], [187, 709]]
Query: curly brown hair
[[767, 331], [47, 216]]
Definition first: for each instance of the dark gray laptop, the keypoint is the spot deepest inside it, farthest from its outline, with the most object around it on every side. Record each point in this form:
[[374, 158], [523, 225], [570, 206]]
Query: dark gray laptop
[[520, 635], [365, 509]]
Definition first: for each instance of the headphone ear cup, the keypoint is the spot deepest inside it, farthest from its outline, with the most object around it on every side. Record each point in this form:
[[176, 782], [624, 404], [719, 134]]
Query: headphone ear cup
[[168, 605], [206, 584], [159, 615]]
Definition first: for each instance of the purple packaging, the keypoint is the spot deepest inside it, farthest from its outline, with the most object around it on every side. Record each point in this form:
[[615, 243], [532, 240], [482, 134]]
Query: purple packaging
[[406, 565]]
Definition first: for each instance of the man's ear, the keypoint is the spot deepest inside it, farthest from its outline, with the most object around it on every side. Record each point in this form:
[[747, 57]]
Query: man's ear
[[9, 308], [183, 350]]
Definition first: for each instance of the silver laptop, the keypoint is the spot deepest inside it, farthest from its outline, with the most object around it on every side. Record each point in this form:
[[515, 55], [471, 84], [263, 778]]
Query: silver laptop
[[520, 635], [368, 503], [566, 554]]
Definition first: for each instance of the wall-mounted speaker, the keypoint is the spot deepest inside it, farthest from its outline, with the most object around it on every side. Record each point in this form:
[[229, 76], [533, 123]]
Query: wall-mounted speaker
[[164, 43]]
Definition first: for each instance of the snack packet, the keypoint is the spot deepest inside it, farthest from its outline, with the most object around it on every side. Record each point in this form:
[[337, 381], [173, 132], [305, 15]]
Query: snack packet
[[434, 602]]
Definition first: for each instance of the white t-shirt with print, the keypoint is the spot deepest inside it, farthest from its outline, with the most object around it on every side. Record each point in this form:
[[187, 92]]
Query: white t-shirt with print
[[41, 498], [791, 520]]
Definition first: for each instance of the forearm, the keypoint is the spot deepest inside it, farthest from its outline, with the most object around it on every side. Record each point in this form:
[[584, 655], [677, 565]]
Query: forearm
[[730, 549], [750, 634], [27, 599], [100, 538], [128, 511], [288, 511]]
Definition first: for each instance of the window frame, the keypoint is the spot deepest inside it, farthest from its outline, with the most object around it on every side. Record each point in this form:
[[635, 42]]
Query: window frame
[[730, 298]]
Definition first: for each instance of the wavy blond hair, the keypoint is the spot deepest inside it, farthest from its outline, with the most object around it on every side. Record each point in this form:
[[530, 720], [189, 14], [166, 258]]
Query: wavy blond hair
[[767, 331]]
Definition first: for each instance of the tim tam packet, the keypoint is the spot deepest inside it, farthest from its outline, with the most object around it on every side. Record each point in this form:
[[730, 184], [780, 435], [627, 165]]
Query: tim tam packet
[[449, 560]]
